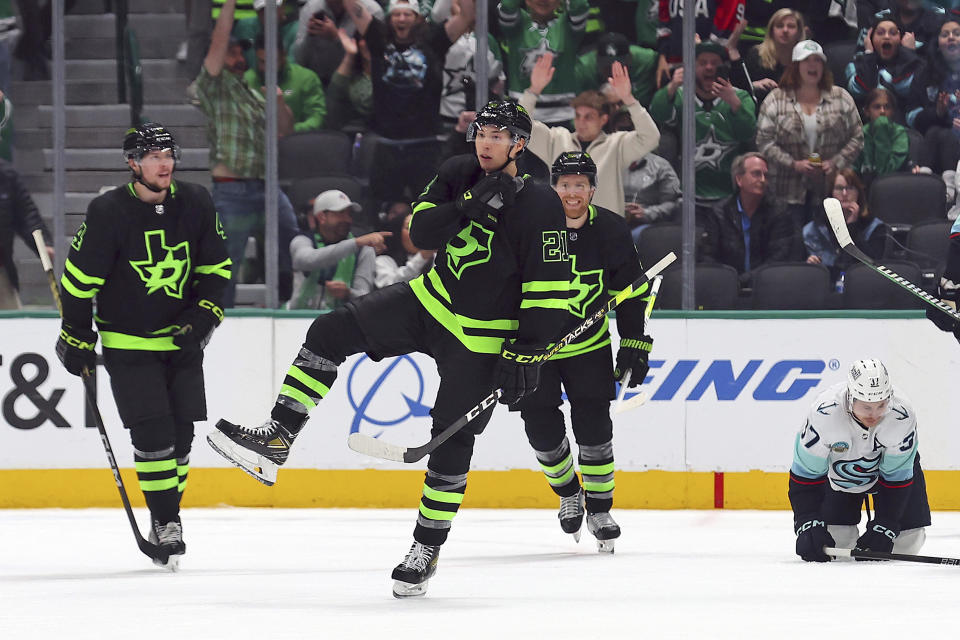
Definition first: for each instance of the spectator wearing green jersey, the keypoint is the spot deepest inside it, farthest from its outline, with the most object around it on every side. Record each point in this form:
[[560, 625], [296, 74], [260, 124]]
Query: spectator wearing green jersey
[[593, 67], [529, 33]]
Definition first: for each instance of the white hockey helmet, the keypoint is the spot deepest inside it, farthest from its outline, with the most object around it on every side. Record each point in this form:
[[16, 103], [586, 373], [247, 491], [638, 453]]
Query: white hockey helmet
[[869, 381]]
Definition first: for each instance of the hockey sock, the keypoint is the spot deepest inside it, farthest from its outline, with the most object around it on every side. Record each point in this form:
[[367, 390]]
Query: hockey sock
[[307, 381], [157, 473], [596, 466], [183, 469], [557, 466], [442, 495]]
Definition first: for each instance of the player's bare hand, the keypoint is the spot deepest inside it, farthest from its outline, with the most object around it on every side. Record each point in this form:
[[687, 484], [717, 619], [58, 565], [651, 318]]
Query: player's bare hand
[[337, 289]]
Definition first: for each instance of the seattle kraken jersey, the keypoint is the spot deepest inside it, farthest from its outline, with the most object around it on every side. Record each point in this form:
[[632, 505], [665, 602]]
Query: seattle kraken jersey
[[603, 262], [853, 458], [145, 264], [489, 284]]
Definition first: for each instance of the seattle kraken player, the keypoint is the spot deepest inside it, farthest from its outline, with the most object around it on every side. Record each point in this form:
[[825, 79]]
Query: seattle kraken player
[[860, 437]]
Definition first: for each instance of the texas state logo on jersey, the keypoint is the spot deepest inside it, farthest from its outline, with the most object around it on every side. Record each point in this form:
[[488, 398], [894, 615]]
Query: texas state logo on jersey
[[833, 444]]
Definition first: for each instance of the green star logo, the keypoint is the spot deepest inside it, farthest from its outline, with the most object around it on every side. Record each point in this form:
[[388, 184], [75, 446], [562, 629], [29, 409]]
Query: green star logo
[[468, 248], [585, 286], [166, 267]]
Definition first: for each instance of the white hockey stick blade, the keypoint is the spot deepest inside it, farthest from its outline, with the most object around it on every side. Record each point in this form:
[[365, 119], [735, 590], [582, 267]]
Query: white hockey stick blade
[[623, 389], [42, 250], [837, 222], [362, 443], [632, 403]]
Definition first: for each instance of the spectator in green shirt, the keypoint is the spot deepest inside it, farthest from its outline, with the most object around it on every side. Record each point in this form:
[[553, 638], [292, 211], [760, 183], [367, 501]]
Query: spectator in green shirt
[[301, 87], [249, 29], [593, 68]]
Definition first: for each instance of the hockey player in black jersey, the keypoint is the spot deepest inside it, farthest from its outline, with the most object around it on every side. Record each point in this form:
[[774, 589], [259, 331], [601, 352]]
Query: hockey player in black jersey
[[153, 255], [496, 296], [603, 261]]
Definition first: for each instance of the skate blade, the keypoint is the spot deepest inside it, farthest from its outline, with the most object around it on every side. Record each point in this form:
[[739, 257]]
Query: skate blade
[[255, 465], [172, 564], [576, 536], [407, 590], [605, 546]]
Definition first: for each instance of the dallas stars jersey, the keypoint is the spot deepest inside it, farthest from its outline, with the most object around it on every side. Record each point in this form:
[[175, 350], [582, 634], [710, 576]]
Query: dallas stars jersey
[[145, 264], [722, 135], [489, 284], [603, 262], [833, 445], [523, 42]]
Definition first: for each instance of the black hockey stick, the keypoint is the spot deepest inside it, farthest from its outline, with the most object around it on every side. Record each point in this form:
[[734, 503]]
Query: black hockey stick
[[148, 548], [362, 443], [883, 555], [839, 226]]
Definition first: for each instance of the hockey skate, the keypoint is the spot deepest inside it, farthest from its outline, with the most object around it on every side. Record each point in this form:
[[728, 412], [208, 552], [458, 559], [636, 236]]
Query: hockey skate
[[410, 577], [605, 529], [260, 451], [169, 537], [571, 514]]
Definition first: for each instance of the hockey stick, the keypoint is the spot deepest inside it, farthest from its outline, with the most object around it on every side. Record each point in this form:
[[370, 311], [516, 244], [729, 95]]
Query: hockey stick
[[641, 396], [883, 555], [839, 225], [362, 443], [148, 548]]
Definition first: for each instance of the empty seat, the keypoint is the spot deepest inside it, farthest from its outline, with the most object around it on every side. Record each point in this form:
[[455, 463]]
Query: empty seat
[[864, 288], [904, 199], [659, 239], [716, 286], [928, 243], [302, 192], [791, 285], [839, 55], [312, 154]]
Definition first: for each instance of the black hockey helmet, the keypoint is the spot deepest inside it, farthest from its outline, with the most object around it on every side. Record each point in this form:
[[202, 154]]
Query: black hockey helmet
[[149, 136], [505, 114], [572, 163]]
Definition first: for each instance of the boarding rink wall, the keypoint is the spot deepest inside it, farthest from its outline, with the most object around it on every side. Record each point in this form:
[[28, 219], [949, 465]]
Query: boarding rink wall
[[728, 392]]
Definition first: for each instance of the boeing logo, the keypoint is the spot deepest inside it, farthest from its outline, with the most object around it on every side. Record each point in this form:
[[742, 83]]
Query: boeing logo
[[381, 405]]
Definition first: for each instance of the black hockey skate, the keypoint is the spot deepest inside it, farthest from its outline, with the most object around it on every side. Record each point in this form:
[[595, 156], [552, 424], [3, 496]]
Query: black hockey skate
[[605, 529], [410, 577], [260, 451], [169, 537], [571, 514]]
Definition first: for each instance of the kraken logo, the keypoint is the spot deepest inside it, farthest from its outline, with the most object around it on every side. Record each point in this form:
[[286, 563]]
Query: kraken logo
[[468, 248], [584, 288], [856, 473], [165, 267]]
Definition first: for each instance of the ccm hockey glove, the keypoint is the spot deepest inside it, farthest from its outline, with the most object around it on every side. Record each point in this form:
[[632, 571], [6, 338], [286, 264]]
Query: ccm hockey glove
[[633, 354], [197, 324], [877, 537], [75, 349], [518, 371], [812, 537], [949, 296], [484, 201]]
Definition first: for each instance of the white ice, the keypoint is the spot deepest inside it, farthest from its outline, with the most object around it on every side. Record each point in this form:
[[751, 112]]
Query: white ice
[[504, 574]]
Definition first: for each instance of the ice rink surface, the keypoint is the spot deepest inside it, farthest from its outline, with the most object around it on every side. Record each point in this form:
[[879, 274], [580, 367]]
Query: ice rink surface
[[504, 574]]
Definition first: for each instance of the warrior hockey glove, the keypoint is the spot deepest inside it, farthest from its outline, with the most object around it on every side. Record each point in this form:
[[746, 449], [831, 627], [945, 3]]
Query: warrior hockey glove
[[633, 354], [948, 295], [197, 324], [518, 371], [484, 201], [75, 349], [812, 537], [878, 537]]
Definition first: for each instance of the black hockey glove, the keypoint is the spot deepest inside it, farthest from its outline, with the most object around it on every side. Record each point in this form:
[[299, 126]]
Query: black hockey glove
[[75, 349], [518, 371], [484, 201], [197, 324], [877, 537], [948, 293], [812, 537], [633, 354]]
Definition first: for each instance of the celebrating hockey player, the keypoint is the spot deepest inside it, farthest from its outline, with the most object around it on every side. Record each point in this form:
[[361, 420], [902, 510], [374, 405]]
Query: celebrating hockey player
[[860, 438], [496, 296], [603, 261], [153, 255], [949, 286]]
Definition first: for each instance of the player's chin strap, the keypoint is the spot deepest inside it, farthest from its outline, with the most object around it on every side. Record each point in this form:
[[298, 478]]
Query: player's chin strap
[[139, 178], [511, 159]]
